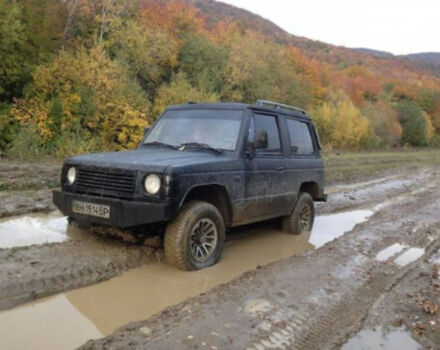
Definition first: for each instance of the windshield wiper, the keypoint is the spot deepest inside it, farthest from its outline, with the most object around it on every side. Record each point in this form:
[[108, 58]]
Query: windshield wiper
[[157, 143], [200, 145]]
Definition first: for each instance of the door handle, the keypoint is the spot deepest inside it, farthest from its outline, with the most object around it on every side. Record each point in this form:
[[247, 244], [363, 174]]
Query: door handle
[[281, 168]]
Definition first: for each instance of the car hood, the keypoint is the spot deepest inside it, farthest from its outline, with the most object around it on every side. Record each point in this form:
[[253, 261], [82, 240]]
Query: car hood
[[151, 159]]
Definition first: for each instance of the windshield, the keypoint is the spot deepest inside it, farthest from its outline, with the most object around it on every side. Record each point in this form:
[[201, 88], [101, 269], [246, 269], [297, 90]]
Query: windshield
[[216, 128]]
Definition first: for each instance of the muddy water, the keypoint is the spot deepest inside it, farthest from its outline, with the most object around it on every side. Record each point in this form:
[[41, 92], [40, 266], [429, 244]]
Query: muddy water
[[48, 324], [142, 292], [377, 339]]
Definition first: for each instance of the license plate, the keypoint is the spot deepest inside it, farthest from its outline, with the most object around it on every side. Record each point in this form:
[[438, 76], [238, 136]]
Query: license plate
[[100, 211]]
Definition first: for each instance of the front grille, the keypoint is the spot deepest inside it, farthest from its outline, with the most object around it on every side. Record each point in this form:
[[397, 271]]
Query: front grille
[[106, 183]]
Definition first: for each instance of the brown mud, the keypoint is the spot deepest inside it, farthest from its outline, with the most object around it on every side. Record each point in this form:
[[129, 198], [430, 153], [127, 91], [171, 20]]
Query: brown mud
[[315, 300], [311, 299]]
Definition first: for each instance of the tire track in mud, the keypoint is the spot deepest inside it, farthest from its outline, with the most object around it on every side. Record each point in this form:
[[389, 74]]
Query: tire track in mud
[[38, 271], [347, 318], [307, 302]]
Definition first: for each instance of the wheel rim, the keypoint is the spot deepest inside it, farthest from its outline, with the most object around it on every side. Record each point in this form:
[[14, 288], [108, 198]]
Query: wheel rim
[[203, 240], [305, 215]]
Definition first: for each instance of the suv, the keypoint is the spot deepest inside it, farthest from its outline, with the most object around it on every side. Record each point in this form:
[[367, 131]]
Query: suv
[[200, 170]]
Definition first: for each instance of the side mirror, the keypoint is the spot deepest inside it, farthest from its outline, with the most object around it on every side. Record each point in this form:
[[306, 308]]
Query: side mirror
[[261, 139], [146, 130]]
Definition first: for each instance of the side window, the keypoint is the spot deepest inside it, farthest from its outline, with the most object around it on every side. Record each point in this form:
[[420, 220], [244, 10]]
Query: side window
[[300, 137], [269, 124]]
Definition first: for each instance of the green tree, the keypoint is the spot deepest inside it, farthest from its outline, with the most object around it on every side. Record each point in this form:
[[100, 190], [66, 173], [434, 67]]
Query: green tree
[[415, 128], [13, 70], [204, 62], [150, 54], [179, 90]]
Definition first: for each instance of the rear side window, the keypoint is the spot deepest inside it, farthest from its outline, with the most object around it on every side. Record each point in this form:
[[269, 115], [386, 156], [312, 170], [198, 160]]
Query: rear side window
[[268, 123], [300, 137]]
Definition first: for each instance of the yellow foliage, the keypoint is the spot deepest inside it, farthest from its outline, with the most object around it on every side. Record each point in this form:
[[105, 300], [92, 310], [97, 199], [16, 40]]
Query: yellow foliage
[[430, 130], [340, 122], [88, 90], [179, 91]]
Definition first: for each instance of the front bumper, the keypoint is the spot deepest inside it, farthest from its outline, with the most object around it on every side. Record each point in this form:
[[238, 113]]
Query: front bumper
[[123, 214]]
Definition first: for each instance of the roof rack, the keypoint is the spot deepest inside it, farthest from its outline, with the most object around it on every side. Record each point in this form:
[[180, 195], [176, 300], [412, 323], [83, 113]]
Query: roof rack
[[264, 103]]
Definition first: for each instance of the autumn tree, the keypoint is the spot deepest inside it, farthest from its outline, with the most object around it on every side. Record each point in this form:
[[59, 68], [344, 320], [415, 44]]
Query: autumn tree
[[150, 54], [175, 16], [384, 123], [340, 123], [86, 95], [179, 90], [253, 71]]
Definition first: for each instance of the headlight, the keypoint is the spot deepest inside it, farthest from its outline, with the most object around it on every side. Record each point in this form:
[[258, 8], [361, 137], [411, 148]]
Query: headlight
[[152, 184], [71, 175]]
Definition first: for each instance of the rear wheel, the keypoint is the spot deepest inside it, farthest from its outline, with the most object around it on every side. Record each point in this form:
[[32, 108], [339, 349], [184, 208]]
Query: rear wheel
[[303, 215], [194, 239]]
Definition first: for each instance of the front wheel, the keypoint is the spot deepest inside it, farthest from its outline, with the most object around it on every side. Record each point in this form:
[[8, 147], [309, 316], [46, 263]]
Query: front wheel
[[303, 216], [194, 239]]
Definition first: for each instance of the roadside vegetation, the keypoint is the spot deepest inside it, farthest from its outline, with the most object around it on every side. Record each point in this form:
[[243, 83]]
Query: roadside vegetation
[[341, 167], [347, 167], [79, 75]]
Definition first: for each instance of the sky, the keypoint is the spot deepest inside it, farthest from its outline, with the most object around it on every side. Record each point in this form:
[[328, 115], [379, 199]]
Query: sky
[[396, 26]]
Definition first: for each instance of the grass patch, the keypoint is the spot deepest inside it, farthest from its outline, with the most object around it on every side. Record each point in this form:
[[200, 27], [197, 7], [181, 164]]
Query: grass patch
[[357, 166]]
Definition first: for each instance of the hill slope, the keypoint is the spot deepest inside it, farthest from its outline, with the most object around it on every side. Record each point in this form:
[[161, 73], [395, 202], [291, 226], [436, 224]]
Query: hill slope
[[88, 79], [429, 61], [216, 11]]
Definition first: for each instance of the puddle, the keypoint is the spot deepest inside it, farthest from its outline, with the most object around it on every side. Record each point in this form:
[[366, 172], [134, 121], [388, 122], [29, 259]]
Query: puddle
[[391, 251], [51, 324], [409, 256], [140, 293], [329, 227], [29, 230], [395, 339]]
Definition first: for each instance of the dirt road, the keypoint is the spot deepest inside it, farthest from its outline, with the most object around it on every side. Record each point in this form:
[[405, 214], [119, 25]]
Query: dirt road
[[382, 275], [321, 298]]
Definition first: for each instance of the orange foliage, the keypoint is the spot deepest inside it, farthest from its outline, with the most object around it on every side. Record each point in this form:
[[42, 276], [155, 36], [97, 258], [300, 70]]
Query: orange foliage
[[175, 16], [313, 70]]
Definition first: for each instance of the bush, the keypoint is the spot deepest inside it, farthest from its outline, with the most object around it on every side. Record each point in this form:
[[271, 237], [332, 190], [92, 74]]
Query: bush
[[414, 123], [27, 144], [68, 144], [8, 128], [86, 90]]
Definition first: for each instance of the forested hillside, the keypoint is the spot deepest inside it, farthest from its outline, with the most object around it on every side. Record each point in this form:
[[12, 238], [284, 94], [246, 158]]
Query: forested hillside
[[85, 75], [426, 60]]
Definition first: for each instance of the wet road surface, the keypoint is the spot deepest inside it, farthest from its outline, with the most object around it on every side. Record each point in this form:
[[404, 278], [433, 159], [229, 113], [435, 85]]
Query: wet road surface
[[142, 292]]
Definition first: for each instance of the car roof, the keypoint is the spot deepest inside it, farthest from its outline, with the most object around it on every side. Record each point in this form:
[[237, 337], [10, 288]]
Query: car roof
[[240, 106]]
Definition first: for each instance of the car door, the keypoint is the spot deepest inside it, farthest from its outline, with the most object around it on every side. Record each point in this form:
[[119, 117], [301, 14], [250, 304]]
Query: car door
[[303, 164], [265, 172]]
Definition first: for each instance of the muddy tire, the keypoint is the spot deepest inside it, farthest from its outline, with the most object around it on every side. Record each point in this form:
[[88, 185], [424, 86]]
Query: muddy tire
[[303, 216], [194, 239]]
